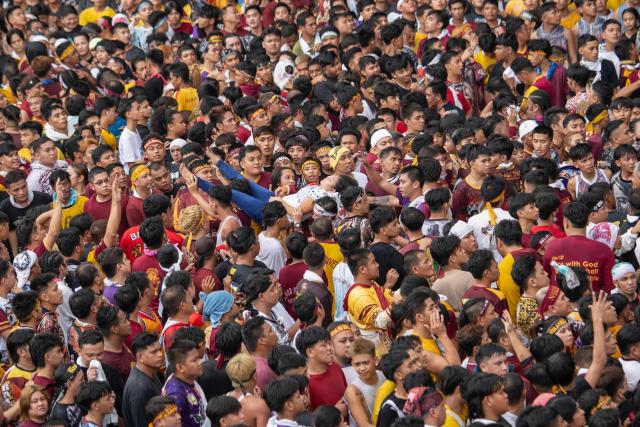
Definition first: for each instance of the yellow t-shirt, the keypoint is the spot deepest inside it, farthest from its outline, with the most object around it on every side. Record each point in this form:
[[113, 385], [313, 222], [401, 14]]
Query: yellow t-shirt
[[514, 8], [454, 419], [570, 20], [419, 37], [76, 209], [484, 60], [383, 392], [91, 16], [507, 286], [334, 257], [109, 139], [187, 99]]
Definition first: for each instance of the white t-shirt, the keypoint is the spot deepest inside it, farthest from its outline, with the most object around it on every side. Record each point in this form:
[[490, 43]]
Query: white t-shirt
[[483, 230], [129, 148], [271, 253], [631, 372], [361, 178]]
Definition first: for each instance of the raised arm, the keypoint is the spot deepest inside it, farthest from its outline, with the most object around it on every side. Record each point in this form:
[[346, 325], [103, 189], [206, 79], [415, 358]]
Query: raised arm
[[599, 359], [521, 351], [378, 180], [115, 213], [56, 217]]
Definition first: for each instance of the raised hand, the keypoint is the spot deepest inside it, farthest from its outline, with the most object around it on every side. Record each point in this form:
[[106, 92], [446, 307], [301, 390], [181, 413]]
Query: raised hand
[[436, 324]]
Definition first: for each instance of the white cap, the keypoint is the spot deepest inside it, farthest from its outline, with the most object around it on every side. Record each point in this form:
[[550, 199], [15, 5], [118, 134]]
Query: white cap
[[178, 142], [461, 229], [526, 128], [399, 4], [378, 135]]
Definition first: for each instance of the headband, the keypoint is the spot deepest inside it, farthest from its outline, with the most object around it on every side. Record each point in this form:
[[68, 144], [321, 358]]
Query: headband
[[68, 51], [557, 325], [256, 113], [550, 298], [271, 101], [597, 119], [539, 52], [621, 269], [328, 34], [200, 168], [602, 401], [322, 150], [233, 152], [309, 162], [166, 412], [340, 328], [421, 400], [320, 211], [152, 141], [461, 229], [489, 206], [215, 39], [140, 170], [542, 242], [159, 23]]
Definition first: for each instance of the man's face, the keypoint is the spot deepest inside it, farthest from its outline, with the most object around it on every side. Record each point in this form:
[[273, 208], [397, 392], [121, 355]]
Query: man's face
[[191, 365], [47, 154], [457, 11], [576, 126], [144, 181], [392, 102], [416, 121], [391, 163], [482, 164], [586, 164], [622, 135], [154, 152], [541, 144], [496, 364], [272, 44], [141, 70], [345, 164], [90, 352], [373, 271], [627, 284], [58, 119], [52, 294], [433, 24], [102, 184], [123, 35], [454, 67], [322, 352], [178, 126], [252, 162], [424, 268], [162, 179], [502, 52], [282, 14], [627, 163], [10, 161], [407, 187], [269, 336], [19, 191], [350, 142], [364, 364], [123, 327], [590, 50], [342, 344], [253, 18], [611, 33], [266, 143]]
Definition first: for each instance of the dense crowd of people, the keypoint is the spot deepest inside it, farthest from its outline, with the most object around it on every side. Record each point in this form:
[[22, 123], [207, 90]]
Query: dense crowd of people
[[319, 214]]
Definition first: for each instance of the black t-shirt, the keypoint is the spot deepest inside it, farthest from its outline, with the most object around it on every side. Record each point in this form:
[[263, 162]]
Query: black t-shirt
[[71, 414], [214, 381], [387, 258], [137, 392], [15, 213], [390, 410]]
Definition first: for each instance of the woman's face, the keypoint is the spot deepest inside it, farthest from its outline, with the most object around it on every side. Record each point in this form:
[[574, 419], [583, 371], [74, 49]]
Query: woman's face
[[566, 336], [17, 43], [174, 18], [287, 178], [38, 405], [629, 22], [145, 11], [75, 178]]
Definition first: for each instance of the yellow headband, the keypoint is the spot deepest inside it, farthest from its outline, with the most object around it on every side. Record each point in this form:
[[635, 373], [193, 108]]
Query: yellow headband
[[256, 113], [597, 119], [340, 328], [271, 101], [215, 39], [323, 150], [539, 52], [68, 51], [492, 215], [557, 326], [309, 161], [166, 412], [140, 170]]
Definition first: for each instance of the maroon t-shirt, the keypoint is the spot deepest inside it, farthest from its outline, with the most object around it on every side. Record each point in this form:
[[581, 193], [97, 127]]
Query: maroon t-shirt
[[289, 277], [466, 201], [579, 251], [200, 275], [499, 305], [150, 266], [100, 210], [327, 388], [135, 213], [122, 361]]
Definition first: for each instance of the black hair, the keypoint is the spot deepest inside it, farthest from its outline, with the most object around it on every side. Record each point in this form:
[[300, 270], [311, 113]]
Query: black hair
[[309, 337], [279, 391], [443, 248], [509, 231], [381, 217], [40, 345], [390, 362], [479, 262], [577, 213], [241, 239], [476, 389], [16, 339], [81, 301], [221, 406]]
